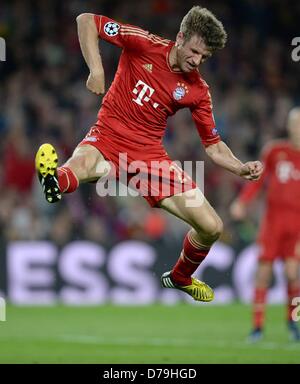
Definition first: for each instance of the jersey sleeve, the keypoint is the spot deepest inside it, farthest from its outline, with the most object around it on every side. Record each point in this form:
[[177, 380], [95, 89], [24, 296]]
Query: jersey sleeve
[[251, 189], [203, 117], [122, 35]]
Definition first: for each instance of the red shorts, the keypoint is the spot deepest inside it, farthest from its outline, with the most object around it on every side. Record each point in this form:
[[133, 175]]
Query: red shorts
[[279, 236], [145, 168]]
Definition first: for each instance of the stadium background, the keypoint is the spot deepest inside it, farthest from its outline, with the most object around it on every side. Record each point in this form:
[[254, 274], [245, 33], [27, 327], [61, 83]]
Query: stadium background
[[91, 250]]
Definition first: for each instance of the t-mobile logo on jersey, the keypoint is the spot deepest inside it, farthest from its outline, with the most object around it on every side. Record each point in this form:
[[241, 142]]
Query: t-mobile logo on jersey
[[144, 93]]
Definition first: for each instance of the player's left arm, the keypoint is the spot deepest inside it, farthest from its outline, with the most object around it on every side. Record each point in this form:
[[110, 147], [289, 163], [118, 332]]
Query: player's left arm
[[221, 154], [216, 149]]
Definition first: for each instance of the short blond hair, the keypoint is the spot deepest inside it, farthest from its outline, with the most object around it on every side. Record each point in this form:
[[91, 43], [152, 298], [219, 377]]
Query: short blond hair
[[200, 21]]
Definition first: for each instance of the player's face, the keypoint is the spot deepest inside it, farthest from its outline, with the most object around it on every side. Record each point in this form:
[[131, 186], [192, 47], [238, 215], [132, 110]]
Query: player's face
[[191, 53]]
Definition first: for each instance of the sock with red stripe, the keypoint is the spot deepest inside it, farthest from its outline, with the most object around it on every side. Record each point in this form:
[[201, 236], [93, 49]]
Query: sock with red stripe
[[191, 257], [67, 180], [259, 304], [293, 290]]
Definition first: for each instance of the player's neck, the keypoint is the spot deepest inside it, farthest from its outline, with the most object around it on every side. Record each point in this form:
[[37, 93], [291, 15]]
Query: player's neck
[[173, 59]]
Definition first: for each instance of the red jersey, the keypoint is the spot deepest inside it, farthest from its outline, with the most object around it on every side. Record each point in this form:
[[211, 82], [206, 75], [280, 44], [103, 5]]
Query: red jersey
[[145, 90], [281, 177]]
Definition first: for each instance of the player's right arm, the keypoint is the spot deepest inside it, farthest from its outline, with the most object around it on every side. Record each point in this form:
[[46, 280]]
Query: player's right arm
[[88, 39], [92, 27]]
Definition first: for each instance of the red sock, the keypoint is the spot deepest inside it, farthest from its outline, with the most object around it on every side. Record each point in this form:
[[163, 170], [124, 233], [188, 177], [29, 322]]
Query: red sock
[[191, 257], [67, 180], [259, 304], [293, 290]]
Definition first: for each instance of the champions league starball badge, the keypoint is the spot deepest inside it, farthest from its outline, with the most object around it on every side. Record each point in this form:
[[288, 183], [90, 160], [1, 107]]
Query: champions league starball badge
[[180, 91], [111, 29]]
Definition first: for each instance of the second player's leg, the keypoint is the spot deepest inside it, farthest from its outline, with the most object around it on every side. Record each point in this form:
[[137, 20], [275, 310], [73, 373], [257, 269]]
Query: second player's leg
[[291, 267], [262, 282], [263, 274]]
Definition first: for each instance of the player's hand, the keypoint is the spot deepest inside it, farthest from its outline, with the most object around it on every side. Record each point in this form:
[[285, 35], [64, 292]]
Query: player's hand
[[238, 210], [252, 170], [96, 82]]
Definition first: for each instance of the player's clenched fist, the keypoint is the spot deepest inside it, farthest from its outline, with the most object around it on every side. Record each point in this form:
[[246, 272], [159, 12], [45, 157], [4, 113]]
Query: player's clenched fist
[[96, 83], [252, 170]]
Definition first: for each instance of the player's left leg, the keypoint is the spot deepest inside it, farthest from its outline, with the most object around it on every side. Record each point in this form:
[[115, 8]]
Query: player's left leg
[[206, 229], [262, 282], [293, 291]]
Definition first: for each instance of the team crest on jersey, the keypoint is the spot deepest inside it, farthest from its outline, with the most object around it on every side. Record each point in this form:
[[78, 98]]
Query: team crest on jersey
[[111, 29], [180, 91]]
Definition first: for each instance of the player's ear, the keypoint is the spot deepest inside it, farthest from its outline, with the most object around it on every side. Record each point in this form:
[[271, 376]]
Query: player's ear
[[179, 39]]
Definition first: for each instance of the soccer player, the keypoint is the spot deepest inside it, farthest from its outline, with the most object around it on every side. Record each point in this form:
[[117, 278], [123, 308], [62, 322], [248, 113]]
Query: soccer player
[[155, 78], [279, 235]]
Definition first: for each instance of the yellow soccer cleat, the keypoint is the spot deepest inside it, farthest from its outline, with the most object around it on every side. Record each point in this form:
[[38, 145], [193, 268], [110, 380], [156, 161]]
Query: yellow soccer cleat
[[198, 289], [46, 162]]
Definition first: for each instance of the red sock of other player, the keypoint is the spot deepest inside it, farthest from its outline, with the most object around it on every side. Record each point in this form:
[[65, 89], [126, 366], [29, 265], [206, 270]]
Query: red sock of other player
[[259, 304], [67, 180], [191, 257], [293, 290]]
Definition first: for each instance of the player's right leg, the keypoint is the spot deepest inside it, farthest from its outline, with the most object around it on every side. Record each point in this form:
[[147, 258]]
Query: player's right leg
[[262, 282], [82, 167]]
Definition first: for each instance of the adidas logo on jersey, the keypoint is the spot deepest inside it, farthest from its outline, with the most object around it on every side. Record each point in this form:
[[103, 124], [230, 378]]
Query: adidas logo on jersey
[[148, 67]]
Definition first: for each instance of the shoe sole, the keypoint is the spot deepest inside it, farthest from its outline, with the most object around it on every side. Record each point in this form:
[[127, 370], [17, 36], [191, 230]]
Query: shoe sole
[[46, 160]]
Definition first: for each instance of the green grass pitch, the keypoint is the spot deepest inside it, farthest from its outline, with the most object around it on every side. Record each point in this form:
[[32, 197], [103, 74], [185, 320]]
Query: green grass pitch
[[150, 334]]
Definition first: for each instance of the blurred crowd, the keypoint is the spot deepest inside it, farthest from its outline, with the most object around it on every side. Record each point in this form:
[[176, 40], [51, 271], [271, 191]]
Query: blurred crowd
[[43, 98]]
